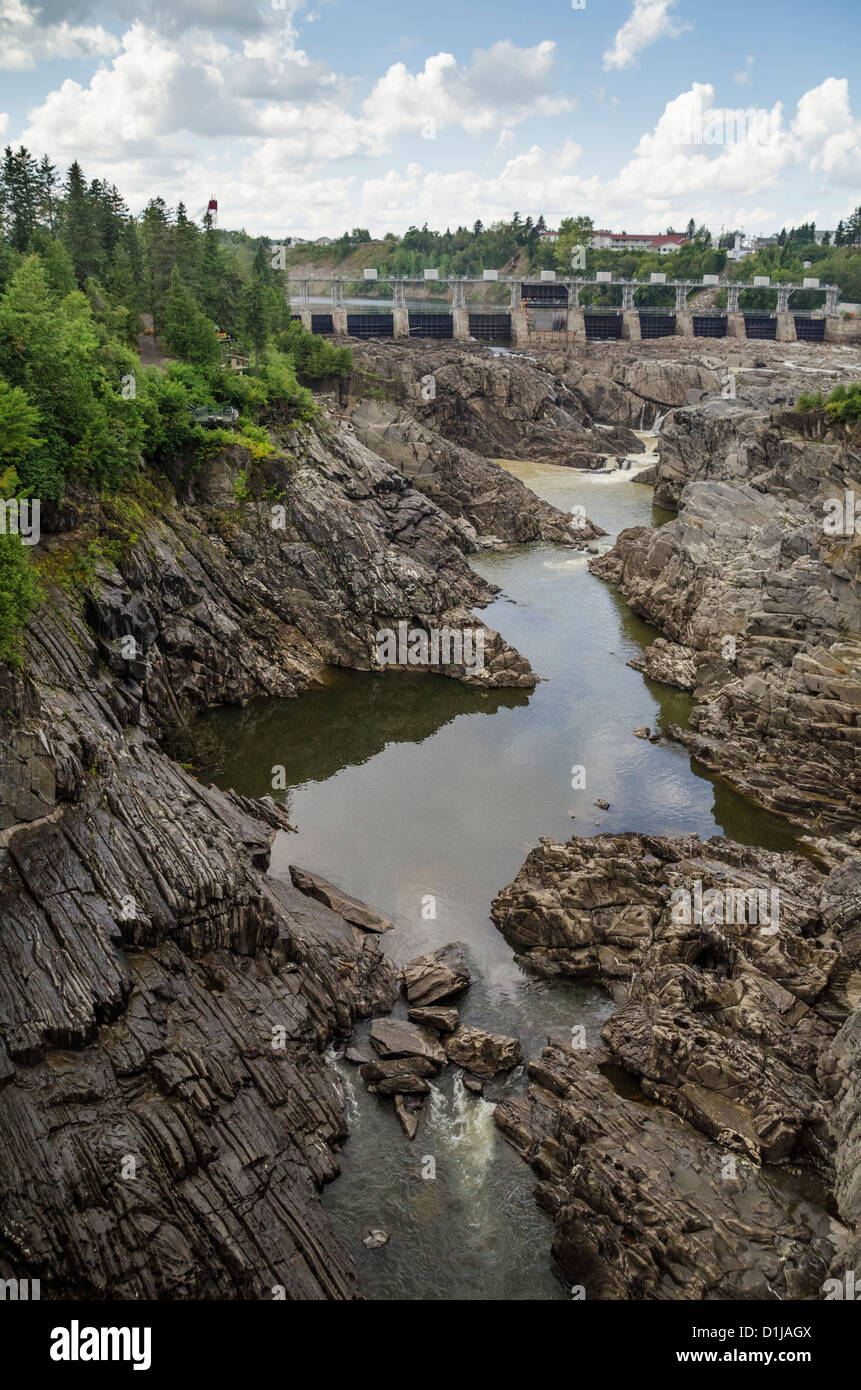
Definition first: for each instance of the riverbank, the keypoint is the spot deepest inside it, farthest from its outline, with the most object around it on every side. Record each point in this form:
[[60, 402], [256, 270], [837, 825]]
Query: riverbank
[[164, 996], [461, 785], [159, 910]]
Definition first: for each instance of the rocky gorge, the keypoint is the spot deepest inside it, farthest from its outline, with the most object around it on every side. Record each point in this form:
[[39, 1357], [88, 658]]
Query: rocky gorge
[[744, 1026], [167, 1002]]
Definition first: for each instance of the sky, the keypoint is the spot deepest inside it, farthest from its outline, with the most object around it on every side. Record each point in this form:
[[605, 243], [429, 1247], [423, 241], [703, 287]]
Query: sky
[[310, 117]]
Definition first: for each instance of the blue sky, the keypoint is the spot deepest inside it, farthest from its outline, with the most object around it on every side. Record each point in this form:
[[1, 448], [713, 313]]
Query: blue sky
[[311, 116]]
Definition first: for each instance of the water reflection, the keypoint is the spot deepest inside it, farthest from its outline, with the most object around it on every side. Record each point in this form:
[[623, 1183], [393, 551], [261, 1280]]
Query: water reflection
[[403, 788]]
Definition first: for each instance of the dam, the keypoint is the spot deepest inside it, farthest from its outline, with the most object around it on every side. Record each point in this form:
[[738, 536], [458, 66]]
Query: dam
[[548, 310]]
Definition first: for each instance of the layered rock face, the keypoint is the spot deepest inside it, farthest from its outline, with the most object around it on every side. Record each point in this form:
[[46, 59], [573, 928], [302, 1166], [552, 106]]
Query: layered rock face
[[736, 442], [168, 1113], [749, 586], [573, 406], [460, 481], [496, 406], [644, 1208], [738, 1013], [633, 383]]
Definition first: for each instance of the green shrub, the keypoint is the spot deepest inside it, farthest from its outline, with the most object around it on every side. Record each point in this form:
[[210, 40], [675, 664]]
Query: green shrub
[[313, 356], [19, 593], [843, 404]]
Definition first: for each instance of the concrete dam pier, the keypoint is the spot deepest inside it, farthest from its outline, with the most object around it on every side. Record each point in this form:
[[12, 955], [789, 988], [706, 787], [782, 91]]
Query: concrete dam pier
[[549, 310]]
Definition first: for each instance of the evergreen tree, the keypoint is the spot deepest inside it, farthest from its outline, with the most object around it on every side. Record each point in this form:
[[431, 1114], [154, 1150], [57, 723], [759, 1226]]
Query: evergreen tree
[[186, 245], [78, 230], [187, 331], [20, 196], [46, 195], [255, 320], [157, 238]]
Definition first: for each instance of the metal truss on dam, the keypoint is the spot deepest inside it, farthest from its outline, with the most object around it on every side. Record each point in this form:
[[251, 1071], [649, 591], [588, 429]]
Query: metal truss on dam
[[549, 310]]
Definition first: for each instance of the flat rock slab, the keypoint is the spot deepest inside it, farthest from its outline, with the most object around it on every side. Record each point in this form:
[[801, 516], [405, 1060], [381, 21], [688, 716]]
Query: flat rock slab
[[483, 1054], [439, 975], [395, 1037], [358, 914], [437, 1016], [408, 1110], [406, 1085], [375, 1072]]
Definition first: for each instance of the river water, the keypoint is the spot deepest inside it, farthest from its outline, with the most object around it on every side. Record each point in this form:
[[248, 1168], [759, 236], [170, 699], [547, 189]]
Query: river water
[[420, 796]]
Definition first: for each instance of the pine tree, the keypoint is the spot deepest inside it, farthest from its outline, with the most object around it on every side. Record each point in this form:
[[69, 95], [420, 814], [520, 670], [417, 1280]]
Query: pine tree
[[157, 237], [254, 317], [188, 332], [78, 229], [186, 239], [47, 185], [20, 196]]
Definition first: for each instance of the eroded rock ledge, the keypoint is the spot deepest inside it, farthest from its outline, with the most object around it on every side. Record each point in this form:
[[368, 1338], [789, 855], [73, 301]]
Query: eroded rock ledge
[[762, 606], [168, 1113], [746, 1029]]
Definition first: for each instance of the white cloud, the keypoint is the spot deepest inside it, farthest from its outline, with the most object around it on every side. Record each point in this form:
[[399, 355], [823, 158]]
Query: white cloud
[[272, 130], [157, 91], [25, 40], [697, 147], [830, 136], [649, 21], [501, 86], [743, 76]]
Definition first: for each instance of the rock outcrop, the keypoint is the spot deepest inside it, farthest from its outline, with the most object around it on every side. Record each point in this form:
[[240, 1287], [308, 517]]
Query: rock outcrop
[[481, 1053], [168, 1113], [763, 600], [461, 482], [438, 976], [736, 975], [644, 1208], [358, 914], [496, 406]]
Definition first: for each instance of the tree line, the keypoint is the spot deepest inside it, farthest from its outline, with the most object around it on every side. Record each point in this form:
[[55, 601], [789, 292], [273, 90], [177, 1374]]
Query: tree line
[[77, 272]]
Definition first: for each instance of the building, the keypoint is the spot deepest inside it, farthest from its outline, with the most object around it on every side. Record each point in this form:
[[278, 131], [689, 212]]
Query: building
[[663, 243], [549, 237], [741, 247]]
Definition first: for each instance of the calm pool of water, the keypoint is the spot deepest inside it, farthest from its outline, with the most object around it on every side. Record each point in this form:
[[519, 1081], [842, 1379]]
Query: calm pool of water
[[406, 788]]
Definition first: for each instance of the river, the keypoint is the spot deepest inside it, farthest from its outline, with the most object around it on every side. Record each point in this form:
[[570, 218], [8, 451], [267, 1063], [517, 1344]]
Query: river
[[420, 796]]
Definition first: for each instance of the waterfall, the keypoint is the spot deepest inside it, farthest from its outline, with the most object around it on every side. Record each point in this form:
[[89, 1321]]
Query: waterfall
[[344, 1083], [465, 1125]]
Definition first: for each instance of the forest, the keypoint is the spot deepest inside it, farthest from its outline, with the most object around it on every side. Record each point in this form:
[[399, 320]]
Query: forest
[[77, 273]]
